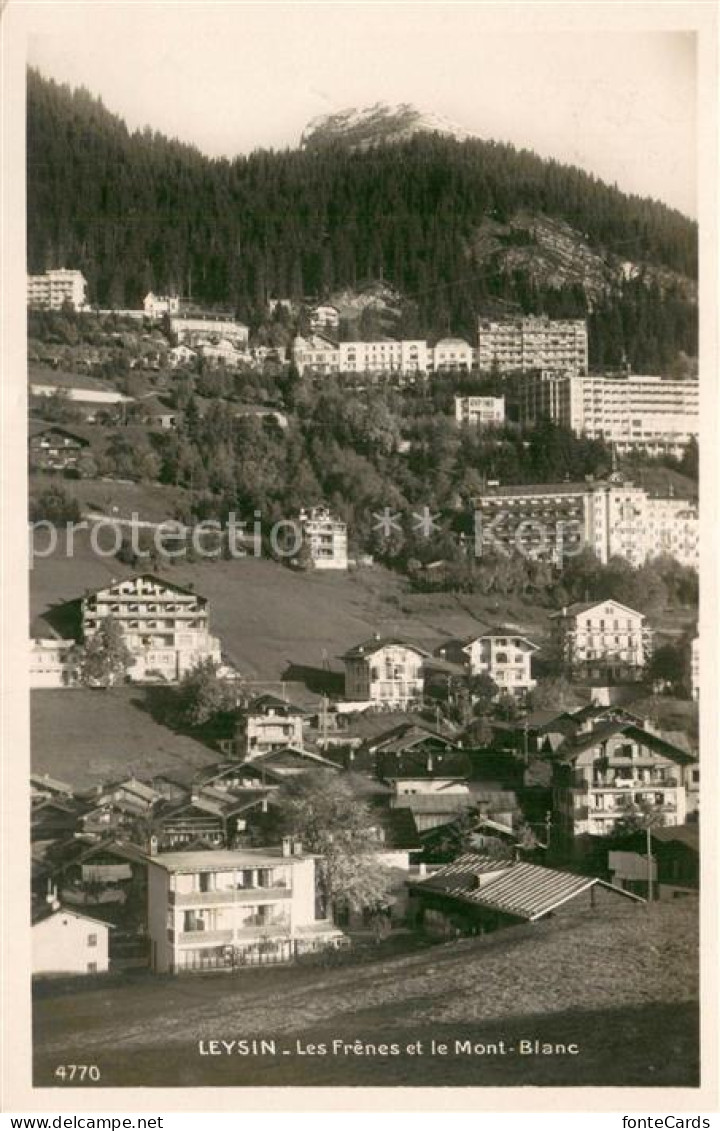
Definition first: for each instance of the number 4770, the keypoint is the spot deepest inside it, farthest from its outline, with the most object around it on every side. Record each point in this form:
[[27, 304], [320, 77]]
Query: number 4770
[[79, 1072]]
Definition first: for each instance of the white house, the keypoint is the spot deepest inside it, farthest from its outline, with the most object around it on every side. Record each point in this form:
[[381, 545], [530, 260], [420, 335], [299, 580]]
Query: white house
[[452, 355], [154, 306], [482, 412], [181, 355], [65, 941], [325, 316], [325, 537], [221, 908], [51, 663], [53, 289], [695, 668], [504, 656], [386, 671], [603, 638]]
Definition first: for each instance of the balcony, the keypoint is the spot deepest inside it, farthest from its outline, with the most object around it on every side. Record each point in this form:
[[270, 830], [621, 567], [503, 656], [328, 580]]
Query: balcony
[[204, 938], [229, 896]]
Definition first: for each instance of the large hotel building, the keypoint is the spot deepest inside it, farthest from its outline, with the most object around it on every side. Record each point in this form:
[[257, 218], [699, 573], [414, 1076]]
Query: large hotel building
[[612, 517], [653, 414], [54, 289], [533, 342]]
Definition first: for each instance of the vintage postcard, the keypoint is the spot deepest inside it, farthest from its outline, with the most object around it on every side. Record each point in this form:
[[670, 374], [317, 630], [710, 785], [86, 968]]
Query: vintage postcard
[[359, 468]]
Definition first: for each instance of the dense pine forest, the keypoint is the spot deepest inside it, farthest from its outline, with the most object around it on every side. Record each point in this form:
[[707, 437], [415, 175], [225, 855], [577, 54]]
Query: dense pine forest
[[137, 211]]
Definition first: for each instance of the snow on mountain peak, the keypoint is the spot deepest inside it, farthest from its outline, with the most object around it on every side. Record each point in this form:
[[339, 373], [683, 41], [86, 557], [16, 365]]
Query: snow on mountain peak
[[381, 123]]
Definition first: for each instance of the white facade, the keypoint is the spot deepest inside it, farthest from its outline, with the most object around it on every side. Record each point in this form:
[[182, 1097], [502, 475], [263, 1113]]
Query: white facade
[[326, 538], [225, 353], [633, 412], [505, 658], [388, 674], [180, 355], [216, 908], [324, 317], [50, 663], [520, 344], [155, 306], [54, 289], [611, 517], [193, 328], [695, 668], [481, 411], [451, 355], [66, 942], [164, 627], [384, 356], [605, 635]]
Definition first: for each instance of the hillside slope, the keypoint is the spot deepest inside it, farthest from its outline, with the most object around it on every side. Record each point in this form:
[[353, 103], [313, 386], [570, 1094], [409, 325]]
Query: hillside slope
[[624, 988], [137, 211]]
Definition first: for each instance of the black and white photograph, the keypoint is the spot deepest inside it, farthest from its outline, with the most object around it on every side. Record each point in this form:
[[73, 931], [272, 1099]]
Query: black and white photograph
[[360, 431]]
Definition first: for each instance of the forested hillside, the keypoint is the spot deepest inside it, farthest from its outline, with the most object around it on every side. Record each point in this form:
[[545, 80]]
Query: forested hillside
[[136, 211]]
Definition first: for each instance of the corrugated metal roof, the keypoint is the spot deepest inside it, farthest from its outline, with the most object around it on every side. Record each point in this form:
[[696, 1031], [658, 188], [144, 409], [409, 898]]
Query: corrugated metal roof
[[526, 891]]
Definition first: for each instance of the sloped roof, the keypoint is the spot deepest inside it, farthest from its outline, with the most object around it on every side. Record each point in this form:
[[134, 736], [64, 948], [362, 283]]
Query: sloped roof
[[398, 826], [43, 911], [172, 585], [437, 802], [581, 742], [585, 606], [453, 764], [375, 643], [522, 890]]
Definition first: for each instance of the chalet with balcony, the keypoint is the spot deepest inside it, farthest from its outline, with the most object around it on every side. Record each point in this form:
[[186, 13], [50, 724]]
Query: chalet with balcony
[[612, 769], [385, 672], [603, 640], [55, 449], [164, 625], [268, 723], [219, 910]]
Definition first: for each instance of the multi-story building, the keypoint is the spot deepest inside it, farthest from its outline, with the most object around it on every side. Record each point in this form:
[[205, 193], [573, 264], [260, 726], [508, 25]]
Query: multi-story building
[[198, 327], [164, 626], [504, 656], [52, 662], [325, 537], [386, 672], [484, 412], [451, 355], [268, 723], [603, 639], [633, 412], [55, 289], [214, 909], [316, 354], [533, 342], [607, 771], [611, 517], [695, 668], [154, 306], [383, 356]]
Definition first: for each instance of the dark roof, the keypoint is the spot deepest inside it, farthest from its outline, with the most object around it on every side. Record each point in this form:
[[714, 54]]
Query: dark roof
[[399, 827], [375, 643], [37, 428], [438, 802], [453, 764], [524, 891], [267, 699], [583, 741]]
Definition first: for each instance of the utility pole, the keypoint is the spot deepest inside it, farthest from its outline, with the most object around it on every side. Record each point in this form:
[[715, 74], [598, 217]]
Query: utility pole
[[648, 850]]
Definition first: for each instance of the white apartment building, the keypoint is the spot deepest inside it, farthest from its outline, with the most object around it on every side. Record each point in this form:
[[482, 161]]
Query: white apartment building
[[506, 658], [51, 663], [155, 306], [268, 723], [196, 327], [532, 342], [223, 908], [483, 412], [386, 672], [165, 627], [326, 538], [55, 288], [633, 412], [451, 355], [383, 356], [315, 354], [603, 639], [611, 517]]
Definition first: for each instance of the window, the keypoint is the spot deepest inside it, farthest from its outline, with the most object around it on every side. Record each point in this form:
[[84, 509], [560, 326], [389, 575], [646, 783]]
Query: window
[[92, 967], [92, 940]]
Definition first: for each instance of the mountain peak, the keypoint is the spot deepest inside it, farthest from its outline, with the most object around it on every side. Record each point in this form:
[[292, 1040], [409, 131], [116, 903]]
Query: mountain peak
[[380, 124]]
